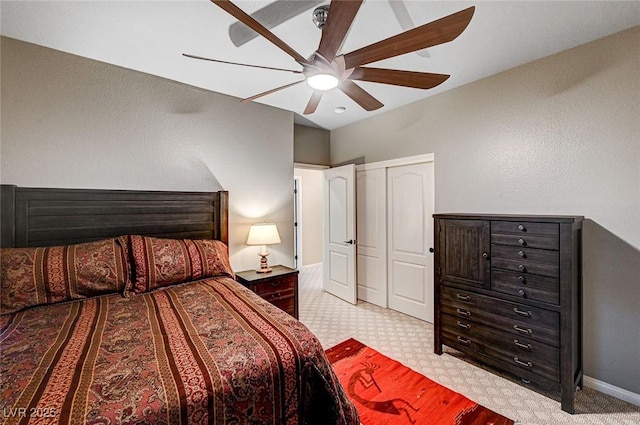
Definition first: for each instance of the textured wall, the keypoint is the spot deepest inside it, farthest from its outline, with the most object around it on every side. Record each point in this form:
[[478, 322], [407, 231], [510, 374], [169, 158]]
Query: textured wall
[[560, 135], [68, 121], [311, 196], [311, 145]]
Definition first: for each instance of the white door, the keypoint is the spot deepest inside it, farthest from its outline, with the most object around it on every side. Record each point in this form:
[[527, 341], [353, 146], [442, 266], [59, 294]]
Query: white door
[[371, 213], [339, 215], [410, 195], [297, 222]]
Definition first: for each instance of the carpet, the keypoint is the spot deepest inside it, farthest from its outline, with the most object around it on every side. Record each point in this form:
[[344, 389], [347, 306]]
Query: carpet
[[387, 392]]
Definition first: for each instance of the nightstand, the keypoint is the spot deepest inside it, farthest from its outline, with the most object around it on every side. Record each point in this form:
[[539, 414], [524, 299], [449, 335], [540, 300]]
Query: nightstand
[[279, 287]]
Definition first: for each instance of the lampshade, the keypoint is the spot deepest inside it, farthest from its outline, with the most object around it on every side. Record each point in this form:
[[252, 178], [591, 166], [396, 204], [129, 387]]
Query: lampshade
[[263, 234]]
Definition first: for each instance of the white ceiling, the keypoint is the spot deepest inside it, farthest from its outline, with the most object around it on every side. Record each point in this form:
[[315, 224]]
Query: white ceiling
[[150, 36]]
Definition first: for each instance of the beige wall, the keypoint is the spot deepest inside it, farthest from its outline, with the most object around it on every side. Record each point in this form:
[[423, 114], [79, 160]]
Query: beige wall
[[560, 135], [70, 122], [311, 196], [311, 145]]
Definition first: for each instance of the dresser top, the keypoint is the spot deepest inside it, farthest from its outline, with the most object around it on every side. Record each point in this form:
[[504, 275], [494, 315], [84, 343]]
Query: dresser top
[[514, 217]]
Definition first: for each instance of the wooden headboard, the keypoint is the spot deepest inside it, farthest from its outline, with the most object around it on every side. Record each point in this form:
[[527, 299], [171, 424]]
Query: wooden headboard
[[45, 217]]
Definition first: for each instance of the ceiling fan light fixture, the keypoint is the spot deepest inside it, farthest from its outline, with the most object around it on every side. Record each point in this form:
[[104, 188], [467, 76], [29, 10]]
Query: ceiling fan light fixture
[[323, 82]]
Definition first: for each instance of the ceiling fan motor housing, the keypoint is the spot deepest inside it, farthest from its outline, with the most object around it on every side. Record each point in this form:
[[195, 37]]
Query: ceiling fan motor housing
[[320, 15]]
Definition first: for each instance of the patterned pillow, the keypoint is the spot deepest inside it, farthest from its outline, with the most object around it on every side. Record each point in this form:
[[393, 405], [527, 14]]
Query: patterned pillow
[[47, 275], [164, 262]]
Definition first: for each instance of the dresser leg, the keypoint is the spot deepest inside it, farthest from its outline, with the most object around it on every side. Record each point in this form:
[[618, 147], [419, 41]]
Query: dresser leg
[[566, 402]]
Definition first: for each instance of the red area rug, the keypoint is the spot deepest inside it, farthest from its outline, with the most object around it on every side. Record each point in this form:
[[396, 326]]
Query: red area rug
[[387, 392]]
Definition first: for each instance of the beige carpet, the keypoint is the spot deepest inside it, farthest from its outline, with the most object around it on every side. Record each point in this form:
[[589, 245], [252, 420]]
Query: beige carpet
[[410, 341]]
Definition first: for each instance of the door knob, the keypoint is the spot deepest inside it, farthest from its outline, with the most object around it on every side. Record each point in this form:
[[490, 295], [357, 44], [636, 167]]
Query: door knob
[[350, 242], [431, 250]]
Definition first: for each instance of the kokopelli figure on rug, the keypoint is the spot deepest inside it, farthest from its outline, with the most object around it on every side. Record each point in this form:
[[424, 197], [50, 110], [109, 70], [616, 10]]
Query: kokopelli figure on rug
[[394, 406]]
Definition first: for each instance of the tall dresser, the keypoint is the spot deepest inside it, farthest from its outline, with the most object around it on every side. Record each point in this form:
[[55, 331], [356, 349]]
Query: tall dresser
[[508, 293]]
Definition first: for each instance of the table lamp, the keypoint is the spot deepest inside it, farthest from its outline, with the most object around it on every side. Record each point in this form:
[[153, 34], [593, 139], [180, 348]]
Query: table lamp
[[263, 234]]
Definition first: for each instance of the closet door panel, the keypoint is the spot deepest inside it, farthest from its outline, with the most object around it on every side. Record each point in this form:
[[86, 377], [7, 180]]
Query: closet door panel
[[410, 232], [371, 236]]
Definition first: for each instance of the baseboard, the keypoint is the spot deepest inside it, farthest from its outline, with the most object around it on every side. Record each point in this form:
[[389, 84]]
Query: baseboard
[[311, 265], [612, 390]]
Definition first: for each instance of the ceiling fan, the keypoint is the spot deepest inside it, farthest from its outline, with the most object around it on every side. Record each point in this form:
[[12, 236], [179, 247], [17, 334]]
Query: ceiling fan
[[325, 69], [280, 11]]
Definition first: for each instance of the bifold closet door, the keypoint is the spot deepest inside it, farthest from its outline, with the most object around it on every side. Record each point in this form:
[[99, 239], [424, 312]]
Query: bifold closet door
[[371, 213], [410, 205]]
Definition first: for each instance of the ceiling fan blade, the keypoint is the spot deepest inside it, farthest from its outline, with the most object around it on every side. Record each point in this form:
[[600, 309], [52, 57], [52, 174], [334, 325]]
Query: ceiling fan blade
[[404, 19], [437, 32], [240, 64], [313, 102], [243, 17], [248, 99], [339, 19], [270, 16], [417, 80], [360, 96]]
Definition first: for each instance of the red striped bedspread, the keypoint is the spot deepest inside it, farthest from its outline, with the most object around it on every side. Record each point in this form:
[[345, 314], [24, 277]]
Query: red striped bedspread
[[205, 352]]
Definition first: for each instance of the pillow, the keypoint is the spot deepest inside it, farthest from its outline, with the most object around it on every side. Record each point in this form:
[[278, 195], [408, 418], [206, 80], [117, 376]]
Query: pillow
[[47, 275], [164, 262]]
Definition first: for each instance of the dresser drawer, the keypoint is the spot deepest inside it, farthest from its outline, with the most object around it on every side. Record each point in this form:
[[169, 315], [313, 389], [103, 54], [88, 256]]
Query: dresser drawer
[[527, 286], [283, 286], [525, 260], [527, 241], [516, 319], [525, 228], [521, 352]]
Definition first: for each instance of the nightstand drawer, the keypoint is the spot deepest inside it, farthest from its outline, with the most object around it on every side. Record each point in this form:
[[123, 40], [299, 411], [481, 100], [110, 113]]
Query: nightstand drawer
[[279, 285], [277, 294], [285, 304]]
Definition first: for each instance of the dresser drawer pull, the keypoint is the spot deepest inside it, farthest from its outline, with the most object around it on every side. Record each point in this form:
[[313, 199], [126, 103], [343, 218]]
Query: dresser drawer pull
[[523, 330], [276, 295], [465, 298], [522, 268], [522, 279], [464, 341], [462, 312], [525, 380], [522, 293], [522, 242], [464, 325], [522, 228], [522, 254], [521, 345], [521, 363], [521, 312]]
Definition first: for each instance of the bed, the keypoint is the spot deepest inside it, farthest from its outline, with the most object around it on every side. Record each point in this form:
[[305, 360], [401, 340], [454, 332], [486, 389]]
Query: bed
[[120, 307]]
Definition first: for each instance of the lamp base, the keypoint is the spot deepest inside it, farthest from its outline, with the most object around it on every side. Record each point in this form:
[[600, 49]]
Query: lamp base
[[264, 267]]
